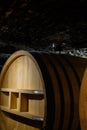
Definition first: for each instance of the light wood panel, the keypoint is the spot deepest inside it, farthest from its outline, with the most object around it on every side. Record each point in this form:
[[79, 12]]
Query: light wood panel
[[22, 91]]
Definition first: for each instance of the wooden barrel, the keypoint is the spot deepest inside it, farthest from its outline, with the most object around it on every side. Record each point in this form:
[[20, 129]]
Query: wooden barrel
[[83, 102], [41, 91]]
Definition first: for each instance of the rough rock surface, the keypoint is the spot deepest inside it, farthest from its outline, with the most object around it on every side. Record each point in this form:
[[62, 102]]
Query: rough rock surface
[[48, 26]]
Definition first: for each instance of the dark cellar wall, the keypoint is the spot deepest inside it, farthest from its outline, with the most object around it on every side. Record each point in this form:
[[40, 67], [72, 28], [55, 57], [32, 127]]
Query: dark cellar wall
[[34, 25]]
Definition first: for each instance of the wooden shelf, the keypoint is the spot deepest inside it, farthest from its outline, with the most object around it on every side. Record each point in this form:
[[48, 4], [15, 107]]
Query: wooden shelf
[[20, 102], [38, 92], [22, 114]]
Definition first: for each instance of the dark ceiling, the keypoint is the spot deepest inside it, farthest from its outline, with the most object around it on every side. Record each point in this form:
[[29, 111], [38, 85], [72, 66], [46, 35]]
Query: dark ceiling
[[38, 24]]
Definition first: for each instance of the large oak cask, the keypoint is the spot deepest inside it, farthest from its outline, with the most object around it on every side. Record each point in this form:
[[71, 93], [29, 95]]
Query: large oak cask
[[41, 91]]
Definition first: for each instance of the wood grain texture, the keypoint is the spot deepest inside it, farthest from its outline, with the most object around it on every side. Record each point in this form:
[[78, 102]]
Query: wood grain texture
[[21, 72]]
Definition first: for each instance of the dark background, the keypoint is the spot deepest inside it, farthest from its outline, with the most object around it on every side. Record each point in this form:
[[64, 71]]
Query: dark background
[[35, 25]]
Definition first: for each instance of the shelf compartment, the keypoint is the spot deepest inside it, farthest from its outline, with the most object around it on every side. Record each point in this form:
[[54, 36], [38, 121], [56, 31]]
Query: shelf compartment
[[24, 102], [14, 103], [32, 103], [5, 99], [36, 107]]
